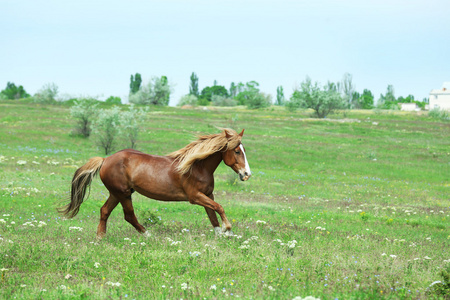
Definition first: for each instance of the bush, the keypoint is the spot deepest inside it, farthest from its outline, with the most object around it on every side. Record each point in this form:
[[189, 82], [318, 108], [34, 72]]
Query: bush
[[188, 100], [439, 114], [130, 123], [218, 100], [106, 130], [84, 111], [322, 101], [259, 100], [47, 94], [113, 100], [156, 92]]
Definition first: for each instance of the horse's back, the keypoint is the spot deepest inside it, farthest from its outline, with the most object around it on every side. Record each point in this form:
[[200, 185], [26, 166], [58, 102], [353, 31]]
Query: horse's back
[[151, 175]]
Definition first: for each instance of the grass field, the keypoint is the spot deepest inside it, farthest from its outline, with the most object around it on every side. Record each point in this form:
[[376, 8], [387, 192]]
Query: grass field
[[352, 207]]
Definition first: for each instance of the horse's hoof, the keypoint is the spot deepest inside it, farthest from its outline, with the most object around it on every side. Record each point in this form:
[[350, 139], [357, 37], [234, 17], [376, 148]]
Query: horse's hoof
[[228, 233], [218, 231]]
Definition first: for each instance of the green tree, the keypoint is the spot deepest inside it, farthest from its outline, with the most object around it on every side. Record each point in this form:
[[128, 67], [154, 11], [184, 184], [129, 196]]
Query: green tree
[[233, 90], [135, 83], [112, 100], [322, 101], [209, 91], [84, 112], [14, 92], [366, 100], [388, 101], [247, 91], [280, 96], [193, 87]]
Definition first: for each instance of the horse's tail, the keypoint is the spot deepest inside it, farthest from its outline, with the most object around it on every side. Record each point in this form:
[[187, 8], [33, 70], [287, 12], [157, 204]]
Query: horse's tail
[[80, 183]]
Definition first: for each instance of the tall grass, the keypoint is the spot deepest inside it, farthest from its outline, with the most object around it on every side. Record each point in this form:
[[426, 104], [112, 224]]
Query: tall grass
[[353, 207]]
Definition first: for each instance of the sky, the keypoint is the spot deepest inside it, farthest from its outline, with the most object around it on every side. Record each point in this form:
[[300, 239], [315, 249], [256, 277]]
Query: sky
[[91, 48]]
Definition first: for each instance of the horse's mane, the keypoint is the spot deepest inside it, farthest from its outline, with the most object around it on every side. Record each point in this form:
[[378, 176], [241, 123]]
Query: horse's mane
[[203, 147]]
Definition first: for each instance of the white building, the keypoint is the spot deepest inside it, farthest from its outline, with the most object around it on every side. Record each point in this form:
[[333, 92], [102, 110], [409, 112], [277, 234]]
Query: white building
[[409, 107], [440, 98]]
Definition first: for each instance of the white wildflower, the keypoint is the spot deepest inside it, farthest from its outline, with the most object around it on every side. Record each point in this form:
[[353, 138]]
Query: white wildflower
[[21, 162], [184, 286], [68, 276], [393, 256], [75, 228], [113, 283], [97, 265], [426, 257], [260, 222], [213, 287], [291, 244]]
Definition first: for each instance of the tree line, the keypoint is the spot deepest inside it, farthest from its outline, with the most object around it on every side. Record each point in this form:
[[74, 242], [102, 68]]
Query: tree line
[[323, 99]]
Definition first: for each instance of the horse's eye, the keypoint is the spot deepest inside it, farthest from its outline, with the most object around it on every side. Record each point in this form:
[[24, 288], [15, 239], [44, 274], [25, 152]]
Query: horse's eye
[[238, 152]]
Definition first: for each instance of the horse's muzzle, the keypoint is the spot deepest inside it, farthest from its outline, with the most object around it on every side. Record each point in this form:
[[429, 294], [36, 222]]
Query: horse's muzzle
[[244, 176]]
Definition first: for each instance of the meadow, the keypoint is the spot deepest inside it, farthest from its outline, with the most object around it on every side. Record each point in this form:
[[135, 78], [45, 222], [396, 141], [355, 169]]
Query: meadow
[[355, 206]]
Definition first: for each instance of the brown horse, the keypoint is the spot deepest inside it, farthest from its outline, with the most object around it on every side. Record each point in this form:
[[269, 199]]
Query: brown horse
[[184, 175]]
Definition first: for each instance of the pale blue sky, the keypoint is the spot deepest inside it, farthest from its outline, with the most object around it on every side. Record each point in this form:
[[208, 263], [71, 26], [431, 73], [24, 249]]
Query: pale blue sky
[[92, 47]]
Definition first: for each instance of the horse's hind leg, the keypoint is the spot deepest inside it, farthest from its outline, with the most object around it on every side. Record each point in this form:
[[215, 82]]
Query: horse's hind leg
[[105, 211], [130, 217]]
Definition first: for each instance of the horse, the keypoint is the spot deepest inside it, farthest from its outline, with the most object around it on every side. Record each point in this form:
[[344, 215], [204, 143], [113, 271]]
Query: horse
[[184, 175]]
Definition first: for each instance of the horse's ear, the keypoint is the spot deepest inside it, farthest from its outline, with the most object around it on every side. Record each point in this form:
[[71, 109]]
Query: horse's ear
[[242, 132], [227, 135]]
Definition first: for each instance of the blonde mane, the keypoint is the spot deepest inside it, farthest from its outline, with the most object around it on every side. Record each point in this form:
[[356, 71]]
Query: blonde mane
[[203, 147]]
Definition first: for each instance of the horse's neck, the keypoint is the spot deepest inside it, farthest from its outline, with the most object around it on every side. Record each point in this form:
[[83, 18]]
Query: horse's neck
[[211, 163]]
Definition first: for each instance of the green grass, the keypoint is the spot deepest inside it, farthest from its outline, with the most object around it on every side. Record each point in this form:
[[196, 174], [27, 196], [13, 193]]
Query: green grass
[[365, 195]]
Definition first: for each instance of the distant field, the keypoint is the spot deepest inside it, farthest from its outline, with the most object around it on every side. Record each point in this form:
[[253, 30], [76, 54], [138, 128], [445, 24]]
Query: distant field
[[352, 207]]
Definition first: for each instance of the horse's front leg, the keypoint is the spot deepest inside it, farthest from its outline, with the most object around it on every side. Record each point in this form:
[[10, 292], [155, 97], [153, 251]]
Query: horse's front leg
[[213, 217], [211, 208]]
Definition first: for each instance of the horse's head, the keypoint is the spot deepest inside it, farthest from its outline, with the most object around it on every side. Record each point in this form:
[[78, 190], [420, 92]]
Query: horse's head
[[236, 159]]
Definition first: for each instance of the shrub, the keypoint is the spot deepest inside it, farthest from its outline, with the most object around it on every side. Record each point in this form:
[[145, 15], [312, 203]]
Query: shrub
[[47, 94], [84, 111], [439, 114], [259, 100], [188, 100], [113, 100], [106, 130], [130, 123], [156, 92], [218, 100], [322, 101]]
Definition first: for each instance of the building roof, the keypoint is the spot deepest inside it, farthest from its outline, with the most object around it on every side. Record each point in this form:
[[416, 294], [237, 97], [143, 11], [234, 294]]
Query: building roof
[[445, 90]]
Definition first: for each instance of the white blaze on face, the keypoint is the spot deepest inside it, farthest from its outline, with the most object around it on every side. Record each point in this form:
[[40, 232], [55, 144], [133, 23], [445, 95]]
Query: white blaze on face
[[247, 167]]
